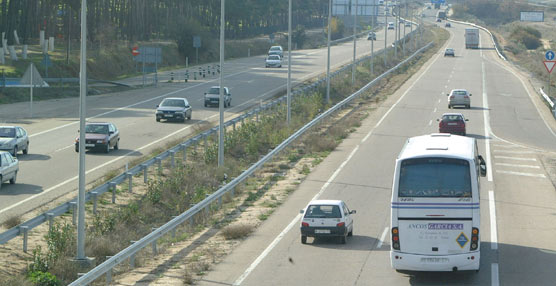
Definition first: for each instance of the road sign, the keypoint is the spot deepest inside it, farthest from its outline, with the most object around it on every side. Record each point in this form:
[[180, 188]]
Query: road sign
[[149, 55], [549, 65], [46, 62], [549, 56], [135, 51], [196, 42]]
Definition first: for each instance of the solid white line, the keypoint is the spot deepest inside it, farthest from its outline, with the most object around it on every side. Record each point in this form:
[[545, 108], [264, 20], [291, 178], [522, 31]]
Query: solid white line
[[515, 158], [275, 242], [494, 279], [434, 111], [399, 99], [493, 229], [430, 122], [382, 238], [486, 123], [514, 152], [521, 174], [518, 166], [64, 148], [439, 100]]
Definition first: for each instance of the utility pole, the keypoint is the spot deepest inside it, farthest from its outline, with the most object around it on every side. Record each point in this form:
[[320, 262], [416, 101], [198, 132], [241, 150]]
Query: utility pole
[[289, 98], [328, 60], [353, 66], [82, 112], [396, 29], [373, 20], [221, 99], [385, 32]]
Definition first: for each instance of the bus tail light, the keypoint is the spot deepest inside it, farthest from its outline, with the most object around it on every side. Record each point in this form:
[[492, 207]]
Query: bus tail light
[[395, 238], [341, 224], [304, 224], [474, 239]]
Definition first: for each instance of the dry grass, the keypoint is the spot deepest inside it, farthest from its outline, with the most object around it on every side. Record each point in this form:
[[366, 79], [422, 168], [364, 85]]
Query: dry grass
[[237, 231], [12, 221]]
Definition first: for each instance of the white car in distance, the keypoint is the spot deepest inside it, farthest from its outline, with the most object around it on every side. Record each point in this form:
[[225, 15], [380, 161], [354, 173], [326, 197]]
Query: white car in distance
[[273, 61]]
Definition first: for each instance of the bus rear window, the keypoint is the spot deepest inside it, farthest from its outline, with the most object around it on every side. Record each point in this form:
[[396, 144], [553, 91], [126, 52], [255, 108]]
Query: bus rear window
[[435, 177]]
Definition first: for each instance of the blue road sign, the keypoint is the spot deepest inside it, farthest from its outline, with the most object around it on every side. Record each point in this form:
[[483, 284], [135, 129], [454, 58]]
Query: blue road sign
[[46, 62], [549, 55]]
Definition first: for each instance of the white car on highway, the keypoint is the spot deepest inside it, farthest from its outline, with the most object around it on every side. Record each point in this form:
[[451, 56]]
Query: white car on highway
[[9, 166], [326, 218], [14, 139], [273, 61]]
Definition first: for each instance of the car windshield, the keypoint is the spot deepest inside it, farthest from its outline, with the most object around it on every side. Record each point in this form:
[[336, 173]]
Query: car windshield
[[215, 90], [173, 103], [459, 92], [96, 128], [274, 58], [7, 132], [323, 211], [449, 50], [452, 118], [275, 49]]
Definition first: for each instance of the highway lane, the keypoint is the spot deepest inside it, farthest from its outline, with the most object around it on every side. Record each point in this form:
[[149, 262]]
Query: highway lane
[[50, 169], [517, 207]]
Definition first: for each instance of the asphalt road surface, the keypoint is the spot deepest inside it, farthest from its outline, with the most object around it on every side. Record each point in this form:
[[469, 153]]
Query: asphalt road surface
[[518, 200], [50, 169]]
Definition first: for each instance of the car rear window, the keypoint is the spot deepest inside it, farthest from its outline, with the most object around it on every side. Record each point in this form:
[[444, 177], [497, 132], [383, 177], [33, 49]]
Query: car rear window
[[459, 92], [214, 90], [275, 48], [7, 132], [323, 211], [452, 118]]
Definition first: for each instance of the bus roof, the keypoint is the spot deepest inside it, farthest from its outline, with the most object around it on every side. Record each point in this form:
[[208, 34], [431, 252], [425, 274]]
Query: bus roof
[[438, 144]]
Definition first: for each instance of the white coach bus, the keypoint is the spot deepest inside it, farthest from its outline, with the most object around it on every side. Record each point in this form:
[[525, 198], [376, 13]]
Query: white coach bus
[[435, 219]]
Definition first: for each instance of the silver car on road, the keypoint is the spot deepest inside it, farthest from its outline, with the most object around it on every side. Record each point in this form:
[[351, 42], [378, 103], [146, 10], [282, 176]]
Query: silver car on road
[[13, 139], [9, 166], [459, 97]]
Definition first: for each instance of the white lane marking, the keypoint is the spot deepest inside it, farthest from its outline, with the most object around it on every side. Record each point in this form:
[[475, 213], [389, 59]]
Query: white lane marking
[[515, 158], [430, 122], [514, 152], [505, 146], [275, 242], [493, 229], [521, 174], [518, 166], [486, 116], [445, 86], [64, 148], [439, 100], [399, 99], [382, 238], [434, 111], [494, 280]]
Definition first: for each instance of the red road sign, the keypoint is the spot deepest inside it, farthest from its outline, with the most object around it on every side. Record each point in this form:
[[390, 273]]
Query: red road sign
[[549, 65], [135, 51]]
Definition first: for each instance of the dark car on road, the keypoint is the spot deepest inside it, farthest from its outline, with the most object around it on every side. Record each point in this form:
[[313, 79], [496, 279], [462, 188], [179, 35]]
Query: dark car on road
[[212, 97], [100, 136], [371, 36], [449, 52], [453, 123], [14, 139], [173, 108]]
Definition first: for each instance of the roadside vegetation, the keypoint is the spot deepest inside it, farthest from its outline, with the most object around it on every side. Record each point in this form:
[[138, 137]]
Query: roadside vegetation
[[171, 191], [524, 43]]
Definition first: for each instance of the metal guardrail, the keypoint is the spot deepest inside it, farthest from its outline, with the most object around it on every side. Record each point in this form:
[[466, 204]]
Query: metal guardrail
[[151, 238], [48, 216], [498, 50], [547, 98]]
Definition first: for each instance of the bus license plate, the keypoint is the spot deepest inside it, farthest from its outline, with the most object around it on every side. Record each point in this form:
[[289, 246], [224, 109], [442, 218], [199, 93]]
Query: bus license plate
[[89, 145], [435, 260], [322, 231], [169, 115]]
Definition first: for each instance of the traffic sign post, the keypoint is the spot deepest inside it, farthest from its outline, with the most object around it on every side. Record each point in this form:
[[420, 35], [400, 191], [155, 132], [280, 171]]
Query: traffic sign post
[[549, 65]]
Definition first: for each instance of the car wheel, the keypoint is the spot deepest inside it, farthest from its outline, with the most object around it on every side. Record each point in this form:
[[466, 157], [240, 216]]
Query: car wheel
[[205, 104], [469, 106], [76, 148], [157, 119], [303, 239], [449, 106], [117, 146], [189, 117], [351, 232], [343, 239], [1, 182], [12, 180], [107, 150], [26, 150], [15, 151]]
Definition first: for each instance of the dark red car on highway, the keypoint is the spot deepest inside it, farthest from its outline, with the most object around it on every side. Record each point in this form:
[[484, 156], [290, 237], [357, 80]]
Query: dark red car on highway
[[100, 136], [453, 123]]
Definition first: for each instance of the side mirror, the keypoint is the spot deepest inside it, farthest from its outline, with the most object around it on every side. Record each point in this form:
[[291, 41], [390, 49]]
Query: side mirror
[[157, 105], [301, 211], [482, 166], [352, 212], [205, 93], [466, 119], [110, 132], [187, 106], [447, 94], [470, 94], [438, 119]]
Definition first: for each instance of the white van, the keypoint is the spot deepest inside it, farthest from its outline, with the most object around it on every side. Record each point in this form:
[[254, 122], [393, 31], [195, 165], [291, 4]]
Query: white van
[[435, 210]]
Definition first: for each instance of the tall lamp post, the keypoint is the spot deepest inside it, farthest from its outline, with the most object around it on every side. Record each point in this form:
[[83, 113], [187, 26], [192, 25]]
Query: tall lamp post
[[289, 84], [328, 57], [353, 67], [221, 99]]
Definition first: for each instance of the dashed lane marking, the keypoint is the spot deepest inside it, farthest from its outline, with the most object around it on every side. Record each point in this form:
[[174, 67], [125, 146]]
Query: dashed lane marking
[[518, 166], [521, 174], [515, 158]]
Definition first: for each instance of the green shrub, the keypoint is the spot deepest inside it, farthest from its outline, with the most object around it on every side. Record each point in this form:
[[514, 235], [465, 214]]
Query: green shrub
[[40, 278], [528, 36]]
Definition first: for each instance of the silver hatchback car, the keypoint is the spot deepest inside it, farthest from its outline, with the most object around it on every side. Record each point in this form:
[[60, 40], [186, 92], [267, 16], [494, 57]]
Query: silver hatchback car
[[459, 97], [9, 166], [14, 139]]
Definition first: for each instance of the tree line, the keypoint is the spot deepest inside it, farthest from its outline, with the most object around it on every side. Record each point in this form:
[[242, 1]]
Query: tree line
[[143, 20]]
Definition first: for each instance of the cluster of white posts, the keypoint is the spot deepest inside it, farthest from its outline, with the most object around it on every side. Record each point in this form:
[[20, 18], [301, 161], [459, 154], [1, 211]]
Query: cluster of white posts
[[46, 46]]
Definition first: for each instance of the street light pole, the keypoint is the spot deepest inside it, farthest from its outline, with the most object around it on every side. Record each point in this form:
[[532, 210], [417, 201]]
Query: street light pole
[[397, 28], [82, 112], [289, 99], [328, 57], [353, 67], [221, 99], [385, 31]]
